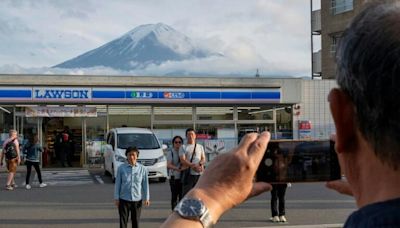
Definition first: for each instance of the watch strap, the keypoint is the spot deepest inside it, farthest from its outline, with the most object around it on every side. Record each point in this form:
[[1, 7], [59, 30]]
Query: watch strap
[[206, 220]]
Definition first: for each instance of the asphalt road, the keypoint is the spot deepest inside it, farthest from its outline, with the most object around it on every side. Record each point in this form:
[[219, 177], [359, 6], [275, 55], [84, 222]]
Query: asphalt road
[[81, 198]]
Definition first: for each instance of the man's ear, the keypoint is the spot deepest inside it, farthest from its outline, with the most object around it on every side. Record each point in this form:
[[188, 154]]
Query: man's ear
[[344, 117]]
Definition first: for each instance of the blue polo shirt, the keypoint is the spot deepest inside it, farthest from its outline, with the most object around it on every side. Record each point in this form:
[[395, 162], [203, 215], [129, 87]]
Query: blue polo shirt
[[377, 215], [131, 183]]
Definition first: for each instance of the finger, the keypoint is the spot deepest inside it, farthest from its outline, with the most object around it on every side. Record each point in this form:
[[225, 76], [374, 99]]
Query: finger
[[247, 140], [340, 186], [258, 188], [259, 146]]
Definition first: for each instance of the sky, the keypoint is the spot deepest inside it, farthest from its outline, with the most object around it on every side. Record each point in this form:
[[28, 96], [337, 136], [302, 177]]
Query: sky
[[272, 36]]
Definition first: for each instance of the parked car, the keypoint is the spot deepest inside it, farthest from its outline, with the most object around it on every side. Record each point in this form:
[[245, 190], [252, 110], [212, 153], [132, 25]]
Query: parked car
[[151, 153]]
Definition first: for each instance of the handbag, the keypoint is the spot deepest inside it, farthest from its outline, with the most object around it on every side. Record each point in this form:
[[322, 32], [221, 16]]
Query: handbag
[[186, 173]]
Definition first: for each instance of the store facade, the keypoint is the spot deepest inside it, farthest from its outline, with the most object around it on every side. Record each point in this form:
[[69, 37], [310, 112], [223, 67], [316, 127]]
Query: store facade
[[221, 110]]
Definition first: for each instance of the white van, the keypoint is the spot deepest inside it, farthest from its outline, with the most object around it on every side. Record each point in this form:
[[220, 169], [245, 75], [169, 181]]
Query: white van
[[150, 151]]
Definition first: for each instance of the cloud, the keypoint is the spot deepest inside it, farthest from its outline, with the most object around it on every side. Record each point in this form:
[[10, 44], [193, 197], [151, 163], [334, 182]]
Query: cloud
[[270, 35]]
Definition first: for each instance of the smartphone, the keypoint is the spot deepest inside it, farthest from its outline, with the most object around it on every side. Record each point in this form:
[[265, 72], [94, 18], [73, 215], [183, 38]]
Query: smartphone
[[299, 161]]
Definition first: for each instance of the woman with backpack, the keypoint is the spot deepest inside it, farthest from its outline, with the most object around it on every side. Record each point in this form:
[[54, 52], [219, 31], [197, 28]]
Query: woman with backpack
[[31, 153], [11, 153]]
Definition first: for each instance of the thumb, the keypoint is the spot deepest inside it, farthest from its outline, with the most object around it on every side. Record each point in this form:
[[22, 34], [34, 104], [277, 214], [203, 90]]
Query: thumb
[[258, 188]]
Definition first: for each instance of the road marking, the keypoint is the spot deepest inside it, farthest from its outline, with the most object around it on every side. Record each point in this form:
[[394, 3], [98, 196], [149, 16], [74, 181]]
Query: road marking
[[98, 178], [65, 178]]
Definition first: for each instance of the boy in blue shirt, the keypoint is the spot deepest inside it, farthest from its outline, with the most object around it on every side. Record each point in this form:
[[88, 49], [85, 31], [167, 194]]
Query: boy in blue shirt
[[131, 188]]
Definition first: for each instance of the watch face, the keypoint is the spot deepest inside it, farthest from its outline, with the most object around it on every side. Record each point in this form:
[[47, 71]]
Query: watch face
[[191, 208]]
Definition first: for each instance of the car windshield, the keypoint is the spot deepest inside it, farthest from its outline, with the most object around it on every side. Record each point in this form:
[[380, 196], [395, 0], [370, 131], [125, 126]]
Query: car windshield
[[141, 141]]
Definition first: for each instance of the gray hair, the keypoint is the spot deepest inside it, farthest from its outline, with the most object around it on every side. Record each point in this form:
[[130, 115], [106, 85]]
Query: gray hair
[[12, 131], [368, 70]]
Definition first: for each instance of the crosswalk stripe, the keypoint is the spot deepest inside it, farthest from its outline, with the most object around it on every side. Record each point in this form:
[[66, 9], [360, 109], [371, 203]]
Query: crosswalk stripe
[[98, 178], [65, 178]]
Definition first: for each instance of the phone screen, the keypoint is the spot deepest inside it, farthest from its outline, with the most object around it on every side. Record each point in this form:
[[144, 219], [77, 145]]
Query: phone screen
[[299, 161]]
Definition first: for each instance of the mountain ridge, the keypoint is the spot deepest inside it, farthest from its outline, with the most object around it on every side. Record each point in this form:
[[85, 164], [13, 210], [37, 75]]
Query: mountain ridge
[[144, 45]]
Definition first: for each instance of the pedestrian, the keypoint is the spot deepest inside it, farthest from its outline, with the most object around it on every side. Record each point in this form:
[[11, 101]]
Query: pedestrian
[[278, 210], [31, 153], [278, 191], [131, 189], [66, 147], [12, 156], [174, 168], [365, 110], [193, 158]]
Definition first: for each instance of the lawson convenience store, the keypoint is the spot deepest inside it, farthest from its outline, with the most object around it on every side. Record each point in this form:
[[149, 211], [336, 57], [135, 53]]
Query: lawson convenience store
[[221, 110]]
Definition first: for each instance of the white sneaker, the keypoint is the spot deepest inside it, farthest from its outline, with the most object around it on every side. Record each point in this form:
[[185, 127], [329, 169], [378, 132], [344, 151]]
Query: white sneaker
[[274, 219], [282, 218], [28, 186], [42, 185]]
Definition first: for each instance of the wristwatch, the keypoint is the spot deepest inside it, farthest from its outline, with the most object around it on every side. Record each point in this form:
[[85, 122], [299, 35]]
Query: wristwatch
[[194, 209]]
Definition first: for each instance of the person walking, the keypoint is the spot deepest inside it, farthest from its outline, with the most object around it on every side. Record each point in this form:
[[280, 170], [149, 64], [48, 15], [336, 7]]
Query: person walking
[[192, 157], [131, 189], [174, 167], [12, 156], [278, 193], [32, 158]]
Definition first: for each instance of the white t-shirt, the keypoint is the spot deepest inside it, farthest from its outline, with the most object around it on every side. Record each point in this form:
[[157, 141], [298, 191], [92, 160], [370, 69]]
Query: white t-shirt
[[187, 150]]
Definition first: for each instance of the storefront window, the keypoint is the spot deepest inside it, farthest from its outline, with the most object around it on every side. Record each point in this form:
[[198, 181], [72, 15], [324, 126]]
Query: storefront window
[[95, 131], [214, 113], [284, 123], [165, 132], [245, 128], [256, 113], [129, 116], [216, 138], [173, 113], [6, 122]]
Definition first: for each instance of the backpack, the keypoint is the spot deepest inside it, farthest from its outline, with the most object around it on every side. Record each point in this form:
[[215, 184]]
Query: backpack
[[10, 150], [65, 137]]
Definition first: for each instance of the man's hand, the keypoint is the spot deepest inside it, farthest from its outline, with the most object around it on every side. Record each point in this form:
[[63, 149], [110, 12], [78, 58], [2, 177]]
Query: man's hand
[[340, 186], [116, 202], [198, 168], [146, 203], [228, 180]]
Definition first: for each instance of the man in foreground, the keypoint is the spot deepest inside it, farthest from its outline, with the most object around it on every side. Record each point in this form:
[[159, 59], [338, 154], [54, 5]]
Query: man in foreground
[[131, 189], [366, 112]]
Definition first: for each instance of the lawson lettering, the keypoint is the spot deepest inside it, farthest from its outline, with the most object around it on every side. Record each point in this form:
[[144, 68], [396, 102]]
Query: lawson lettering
[[61, 94]]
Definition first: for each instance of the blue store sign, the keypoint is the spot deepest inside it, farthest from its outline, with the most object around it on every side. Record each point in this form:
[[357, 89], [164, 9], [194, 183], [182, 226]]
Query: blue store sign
[[139, 95]]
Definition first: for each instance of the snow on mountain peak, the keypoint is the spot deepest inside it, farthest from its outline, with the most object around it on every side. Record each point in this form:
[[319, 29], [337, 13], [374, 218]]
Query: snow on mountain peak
[[165, 35], [140, 47]]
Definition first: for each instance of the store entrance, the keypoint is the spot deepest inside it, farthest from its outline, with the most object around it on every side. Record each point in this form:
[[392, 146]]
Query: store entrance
[[63, 140]]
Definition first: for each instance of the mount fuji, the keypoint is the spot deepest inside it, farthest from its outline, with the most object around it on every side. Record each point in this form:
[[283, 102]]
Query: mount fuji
[[140, 47]]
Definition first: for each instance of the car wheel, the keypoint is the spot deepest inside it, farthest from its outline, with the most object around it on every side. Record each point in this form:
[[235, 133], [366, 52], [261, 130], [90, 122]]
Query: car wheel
[[162, 179]]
